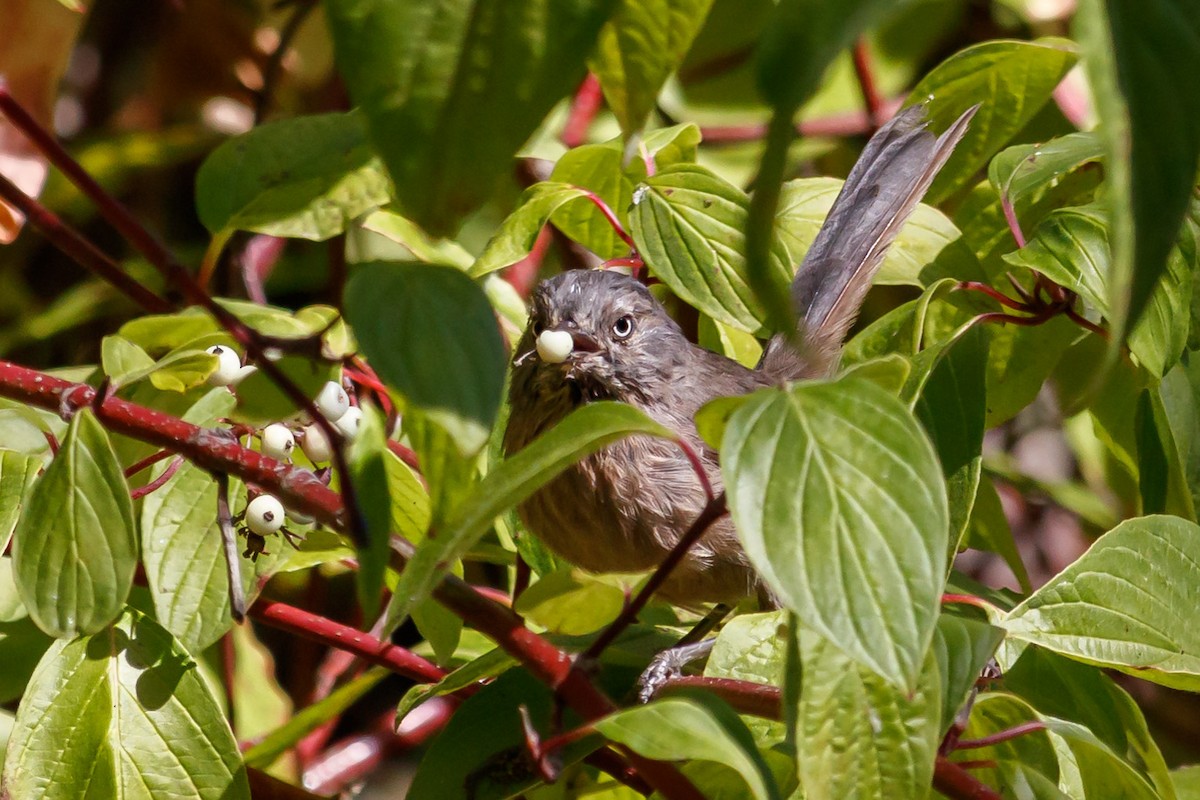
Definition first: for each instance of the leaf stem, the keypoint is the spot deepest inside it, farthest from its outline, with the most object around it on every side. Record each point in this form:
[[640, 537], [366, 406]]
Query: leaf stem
[[584, 108], [157, 483], [866, 84], [1000, 736]]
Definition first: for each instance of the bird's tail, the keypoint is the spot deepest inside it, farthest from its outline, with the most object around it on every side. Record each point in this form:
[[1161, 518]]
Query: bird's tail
[[885, 185]]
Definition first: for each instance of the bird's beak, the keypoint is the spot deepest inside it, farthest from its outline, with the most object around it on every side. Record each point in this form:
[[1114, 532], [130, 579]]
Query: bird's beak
[[584, 343]]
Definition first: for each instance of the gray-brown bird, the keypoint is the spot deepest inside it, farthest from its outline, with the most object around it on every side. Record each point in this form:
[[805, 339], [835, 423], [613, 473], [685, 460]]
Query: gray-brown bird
[[599, 335]]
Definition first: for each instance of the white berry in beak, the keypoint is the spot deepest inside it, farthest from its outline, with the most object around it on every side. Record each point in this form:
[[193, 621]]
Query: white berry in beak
[[553, 347]]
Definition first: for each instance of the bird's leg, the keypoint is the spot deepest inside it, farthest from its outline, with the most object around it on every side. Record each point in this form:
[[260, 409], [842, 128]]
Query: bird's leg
[[670, 662]]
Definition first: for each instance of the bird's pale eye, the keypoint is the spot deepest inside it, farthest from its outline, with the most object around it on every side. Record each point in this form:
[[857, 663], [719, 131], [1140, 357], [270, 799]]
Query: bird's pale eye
[[623, 327]]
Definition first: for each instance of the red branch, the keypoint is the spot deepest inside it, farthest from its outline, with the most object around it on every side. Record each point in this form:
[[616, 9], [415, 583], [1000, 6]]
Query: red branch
[[158, 482], [583, 110], [866, 82]]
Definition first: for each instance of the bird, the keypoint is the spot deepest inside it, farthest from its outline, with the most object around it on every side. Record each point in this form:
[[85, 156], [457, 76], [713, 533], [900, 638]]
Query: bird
[[597, 334]]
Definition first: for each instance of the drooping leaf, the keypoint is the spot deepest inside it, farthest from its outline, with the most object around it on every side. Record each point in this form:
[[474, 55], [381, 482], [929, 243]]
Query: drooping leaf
[[367, 457], [1128, 603], [1010, 80], [1018, 171], [637, 51], [988, 529], [961, 646], [75, 547], [859, 734], [583, 432], [1151, 135], [122, 714], [688, 226], [430, 333], [696, 727], [305, 177], [430, 77], [841, 505]]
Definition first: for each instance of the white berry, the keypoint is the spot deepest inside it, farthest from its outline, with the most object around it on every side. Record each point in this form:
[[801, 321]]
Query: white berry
[[278, 441], [228, 365], [332, 401], [316, 444], [264, 515], [554, 346], [348, 423]]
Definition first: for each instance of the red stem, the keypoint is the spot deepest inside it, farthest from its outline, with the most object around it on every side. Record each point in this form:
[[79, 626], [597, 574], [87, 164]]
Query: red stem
[[343, 637], [1010, 216], [995, 294], [953, 781], [866, 83], [756, 699], [158, 482], [967, 600], [584, 108], [148, 461], [1000, 736], [611, 218]]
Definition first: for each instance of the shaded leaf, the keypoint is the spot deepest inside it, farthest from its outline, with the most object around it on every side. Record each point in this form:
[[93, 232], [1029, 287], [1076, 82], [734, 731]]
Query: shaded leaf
[[430, 333], [122, 714], [514, 239], [75, 547], [962, 647], [430, 76], [367, 457], [17, 473]]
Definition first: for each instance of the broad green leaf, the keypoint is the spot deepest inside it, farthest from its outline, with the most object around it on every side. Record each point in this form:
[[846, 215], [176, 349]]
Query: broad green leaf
[[1151, 134], [11, 607], [367, 457], [1187, 782], [1018, 171], [571, 603], [410, 501], [308, 719], [584, 431], [452, 88], [688, 226], [859, 735], [440, 627], [430, 333], [514, 239], [260, 704], [729, 341], [1128, 603], [182, 549], [1062, 688], [1071, 248], [839, 500], [962, 647], [158, 334], [122, 714], [638, 49], [1162, 480], [17, 473], [181, 369], [22, 644], [952, 407], [1094, 770], [420, 245], [1180, 393], [1032, 755], [120, 358], [75, 547], [306, 177], [700, 727], [928, 247], [1010, 80], [600, 169]]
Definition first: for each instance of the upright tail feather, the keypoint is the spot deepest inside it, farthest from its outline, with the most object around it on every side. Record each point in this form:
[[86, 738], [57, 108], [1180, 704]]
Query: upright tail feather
[[886, 184]]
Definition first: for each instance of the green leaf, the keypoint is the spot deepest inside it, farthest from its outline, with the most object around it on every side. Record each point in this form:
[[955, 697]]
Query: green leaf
[[688, 226], [929, 246], [729, 341], [989, 530], [1187, 782], [122, 714], [451, 89], [1018, 172], [1010, 80], [514, 239], [440, 627], [259, 702], [1094, 770], [261, 401], [858, 735], [367, 457], [839, 500], [583, 432], [75, 548], [482, 669], [952, 408], [1062, 688], [17, 473], [696, 727], [181, 369], [419, 244], [305, 177], [600, 169], [1151, 135], [182, 549], [1128, 603], [1028, 763], [310, 718], [22, 644], [120, 358], [637, 51], [962, 647], [430, 333], [572, 603], [409, 500], [753, 647]]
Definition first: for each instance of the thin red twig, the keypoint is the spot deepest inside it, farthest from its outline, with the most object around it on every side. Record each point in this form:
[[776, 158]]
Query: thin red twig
[[584, 107], [611, 218], [1000, 736], [146, 462], [866, 83], [158, 482]]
